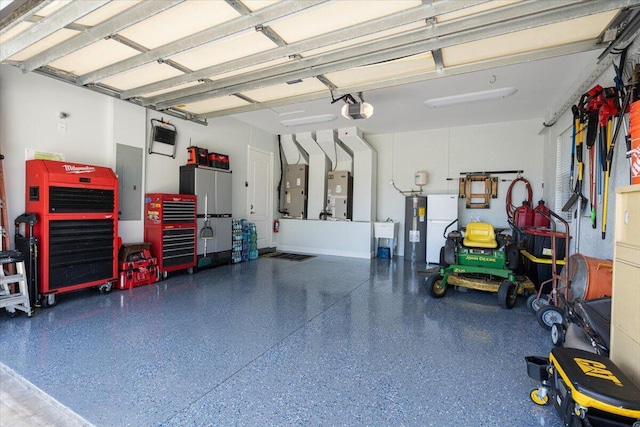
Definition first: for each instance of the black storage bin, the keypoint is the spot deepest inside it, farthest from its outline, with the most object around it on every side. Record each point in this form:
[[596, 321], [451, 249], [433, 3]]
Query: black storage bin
[[539, 246]]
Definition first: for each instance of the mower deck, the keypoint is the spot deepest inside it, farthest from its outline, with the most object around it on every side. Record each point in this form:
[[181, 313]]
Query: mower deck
[[481, 284]]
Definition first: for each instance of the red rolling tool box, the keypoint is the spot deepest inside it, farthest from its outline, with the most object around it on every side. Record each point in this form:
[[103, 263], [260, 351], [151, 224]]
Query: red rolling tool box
[[137, 266], [170, 227], [77, 231]]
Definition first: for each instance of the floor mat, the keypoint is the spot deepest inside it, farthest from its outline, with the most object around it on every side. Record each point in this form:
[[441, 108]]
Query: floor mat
[[287, 256]]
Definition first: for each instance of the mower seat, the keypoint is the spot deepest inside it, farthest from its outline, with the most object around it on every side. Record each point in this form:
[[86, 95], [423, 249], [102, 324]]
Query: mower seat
[[480, 235]]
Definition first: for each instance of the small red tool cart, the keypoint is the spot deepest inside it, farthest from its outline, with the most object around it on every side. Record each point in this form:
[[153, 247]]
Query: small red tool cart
[[170, 227]]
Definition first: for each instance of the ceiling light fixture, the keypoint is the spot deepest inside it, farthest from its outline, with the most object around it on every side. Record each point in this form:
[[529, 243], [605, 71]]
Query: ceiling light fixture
[[287, 113], [308, 120], [466, 98]]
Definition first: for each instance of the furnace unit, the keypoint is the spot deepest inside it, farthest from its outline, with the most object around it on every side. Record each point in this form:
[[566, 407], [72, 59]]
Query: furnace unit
[[296, 177], [170, 227], [340, 194], [77, 207]]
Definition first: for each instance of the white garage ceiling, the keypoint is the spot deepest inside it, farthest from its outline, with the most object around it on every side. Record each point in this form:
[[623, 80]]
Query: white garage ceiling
[[274, 63]]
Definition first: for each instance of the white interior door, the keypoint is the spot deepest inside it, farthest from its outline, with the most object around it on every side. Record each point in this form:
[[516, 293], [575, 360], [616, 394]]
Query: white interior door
[[260, 194]]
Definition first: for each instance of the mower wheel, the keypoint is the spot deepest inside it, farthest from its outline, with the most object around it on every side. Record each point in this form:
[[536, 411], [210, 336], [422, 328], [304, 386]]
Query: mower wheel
[[507, 294], [535, 397], [435, 287], [534, 303], [549, 315], [558, 334]]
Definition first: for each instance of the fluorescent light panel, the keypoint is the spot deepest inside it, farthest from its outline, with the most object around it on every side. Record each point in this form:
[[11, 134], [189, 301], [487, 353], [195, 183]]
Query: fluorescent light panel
[[308, 120], [465, 98]]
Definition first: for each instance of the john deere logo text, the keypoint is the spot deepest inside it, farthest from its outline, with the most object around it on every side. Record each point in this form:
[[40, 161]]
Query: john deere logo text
[[597, 369], [481, 258]]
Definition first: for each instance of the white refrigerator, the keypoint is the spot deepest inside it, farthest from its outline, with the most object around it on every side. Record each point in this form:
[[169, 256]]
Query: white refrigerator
[[441, 210]]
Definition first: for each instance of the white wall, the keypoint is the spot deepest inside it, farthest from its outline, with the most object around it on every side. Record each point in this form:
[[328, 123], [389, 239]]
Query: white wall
[[222, 135], [444, 153], [29, 113]]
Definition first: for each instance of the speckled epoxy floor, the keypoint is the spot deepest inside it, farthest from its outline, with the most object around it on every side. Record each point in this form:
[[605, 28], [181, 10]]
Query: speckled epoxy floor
[[327, 341]]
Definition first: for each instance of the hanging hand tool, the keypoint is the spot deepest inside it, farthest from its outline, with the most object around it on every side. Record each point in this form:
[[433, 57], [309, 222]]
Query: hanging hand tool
[[608, 110], [206, 234], [592, 100], [578, 141], [576, 156]]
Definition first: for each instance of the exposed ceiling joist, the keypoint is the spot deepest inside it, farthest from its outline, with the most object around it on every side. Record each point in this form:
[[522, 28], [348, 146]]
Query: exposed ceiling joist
[[48, 26], [111, 26], [226, 29], [205, 59], [351, 32], [516, 18], [271, 35], [17, 12], [447, 72], [239, 7], [325, 81]]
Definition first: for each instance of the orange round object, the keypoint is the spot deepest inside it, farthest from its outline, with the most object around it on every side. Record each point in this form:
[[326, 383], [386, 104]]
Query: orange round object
[[589, 277]]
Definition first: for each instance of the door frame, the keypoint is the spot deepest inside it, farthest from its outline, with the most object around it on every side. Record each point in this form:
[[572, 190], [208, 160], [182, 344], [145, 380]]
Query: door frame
[[270, 207]]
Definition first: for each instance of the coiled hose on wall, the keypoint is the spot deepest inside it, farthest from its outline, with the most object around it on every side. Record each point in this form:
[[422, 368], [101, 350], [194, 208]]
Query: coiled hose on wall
[[511, 209]]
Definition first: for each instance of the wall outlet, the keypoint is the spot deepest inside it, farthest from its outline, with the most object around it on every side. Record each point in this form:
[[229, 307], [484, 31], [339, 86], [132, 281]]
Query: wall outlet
[[62, 127], [390, 182]]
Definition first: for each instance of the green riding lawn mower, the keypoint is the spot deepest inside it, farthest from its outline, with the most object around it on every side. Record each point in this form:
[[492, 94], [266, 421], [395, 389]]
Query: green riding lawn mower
[[477, 258]]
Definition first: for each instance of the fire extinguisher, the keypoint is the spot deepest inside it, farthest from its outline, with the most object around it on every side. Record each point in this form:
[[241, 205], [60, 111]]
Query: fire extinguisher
[[276, 225]]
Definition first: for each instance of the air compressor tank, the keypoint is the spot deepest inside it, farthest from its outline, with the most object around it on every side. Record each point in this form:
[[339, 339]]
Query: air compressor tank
[[415, 229]]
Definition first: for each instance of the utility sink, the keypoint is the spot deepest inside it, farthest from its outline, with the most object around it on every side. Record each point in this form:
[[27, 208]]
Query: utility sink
[[386, 230]]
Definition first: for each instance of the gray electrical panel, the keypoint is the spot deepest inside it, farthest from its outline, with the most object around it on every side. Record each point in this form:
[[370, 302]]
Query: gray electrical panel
[[340, 194], [295, 203]]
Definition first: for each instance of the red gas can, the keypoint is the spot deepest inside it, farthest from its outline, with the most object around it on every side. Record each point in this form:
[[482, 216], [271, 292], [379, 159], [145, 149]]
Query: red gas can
[[523, 216], [541, 215]]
